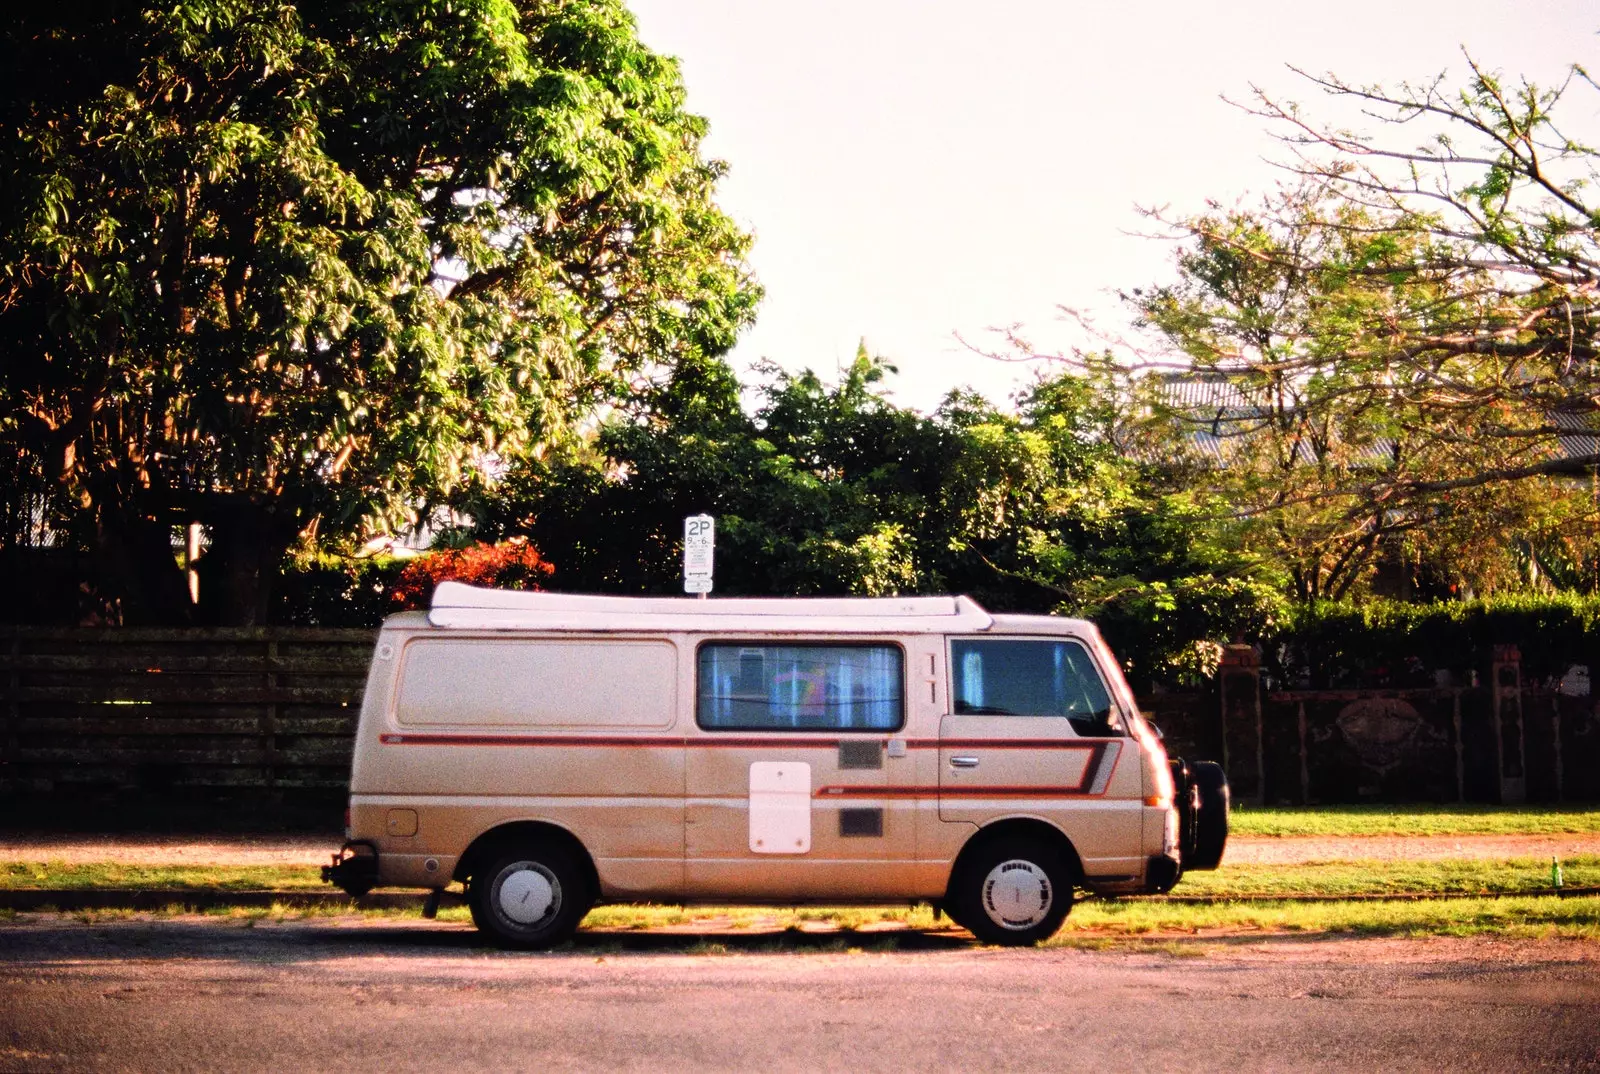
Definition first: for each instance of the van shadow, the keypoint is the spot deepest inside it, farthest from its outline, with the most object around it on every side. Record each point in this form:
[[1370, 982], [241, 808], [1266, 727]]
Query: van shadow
[[675, 941]]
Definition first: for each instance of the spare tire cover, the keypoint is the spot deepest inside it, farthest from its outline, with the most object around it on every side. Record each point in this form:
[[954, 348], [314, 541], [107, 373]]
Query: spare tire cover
[[1210, 784]]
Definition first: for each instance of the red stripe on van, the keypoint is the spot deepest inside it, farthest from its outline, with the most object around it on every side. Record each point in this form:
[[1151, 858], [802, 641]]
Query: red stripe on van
[[837, 793], [732, 742], [1008, 743], [528, 740]]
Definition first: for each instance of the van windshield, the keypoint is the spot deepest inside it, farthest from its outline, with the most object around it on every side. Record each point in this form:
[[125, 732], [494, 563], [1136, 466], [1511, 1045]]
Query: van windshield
[[1031, 678]]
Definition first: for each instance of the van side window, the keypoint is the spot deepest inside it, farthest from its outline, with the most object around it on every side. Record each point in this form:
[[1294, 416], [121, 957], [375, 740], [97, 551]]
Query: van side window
[[800, 687], [1032, 678]]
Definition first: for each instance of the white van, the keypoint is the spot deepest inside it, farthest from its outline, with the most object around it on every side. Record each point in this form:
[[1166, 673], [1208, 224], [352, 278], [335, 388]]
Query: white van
[[549, 751]]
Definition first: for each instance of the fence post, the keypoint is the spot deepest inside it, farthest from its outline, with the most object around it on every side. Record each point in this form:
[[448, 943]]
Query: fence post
[[10, 769], [1305, 753], [1243, 748], [269, 737], [1461, 748], [1505, 679]]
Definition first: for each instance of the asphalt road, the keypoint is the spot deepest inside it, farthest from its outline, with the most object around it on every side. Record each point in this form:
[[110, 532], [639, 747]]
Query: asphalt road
[[392, 996]]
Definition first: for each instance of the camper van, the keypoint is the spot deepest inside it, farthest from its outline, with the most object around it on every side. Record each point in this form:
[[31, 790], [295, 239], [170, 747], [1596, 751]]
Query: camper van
[[549, 751]]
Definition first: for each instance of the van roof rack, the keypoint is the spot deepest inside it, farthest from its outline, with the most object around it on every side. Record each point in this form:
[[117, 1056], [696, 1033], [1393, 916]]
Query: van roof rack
[[461, 606]]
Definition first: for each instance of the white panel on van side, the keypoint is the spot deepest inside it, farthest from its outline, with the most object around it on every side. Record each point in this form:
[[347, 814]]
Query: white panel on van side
[[495, 682], [780, 807]]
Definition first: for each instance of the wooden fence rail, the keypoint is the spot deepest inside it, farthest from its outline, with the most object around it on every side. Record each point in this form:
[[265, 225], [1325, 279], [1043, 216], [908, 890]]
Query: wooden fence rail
[[159, 710], [186, 712]]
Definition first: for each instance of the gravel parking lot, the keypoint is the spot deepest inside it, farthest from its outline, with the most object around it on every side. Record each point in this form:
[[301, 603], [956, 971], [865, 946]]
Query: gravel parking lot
[[353, 994]]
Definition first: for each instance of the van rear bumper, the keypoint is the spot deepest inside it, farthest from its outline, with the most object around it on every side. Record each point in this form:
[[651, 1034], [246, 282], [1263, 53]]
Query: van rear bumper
[[354, 868]]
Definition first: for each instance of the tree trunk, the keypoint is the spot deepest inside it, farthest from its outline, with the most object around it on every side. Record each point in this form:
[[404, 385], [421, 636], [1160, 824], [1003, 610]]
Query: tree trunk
[[238, 572], [139, 570]]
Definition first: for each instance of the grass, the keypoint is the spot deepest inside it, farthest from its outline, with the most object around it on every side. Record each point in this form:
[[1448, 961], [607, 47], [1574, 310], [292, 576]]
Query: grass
[[1389, 877], [1151, 927], [1533, 917], [1414, 820], [1129, 924], [1316, 878], [19, 874], [758, 917]]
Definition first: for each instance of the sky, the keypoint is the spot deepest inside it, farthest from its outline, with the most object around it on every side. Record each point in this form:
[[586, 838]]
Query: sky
[[921, 172]]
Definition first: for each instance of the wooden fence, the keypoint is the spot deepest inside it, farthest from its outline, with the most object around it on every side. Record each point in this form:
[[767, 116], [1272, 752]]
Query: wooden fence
[[191, 713], [162, 711]]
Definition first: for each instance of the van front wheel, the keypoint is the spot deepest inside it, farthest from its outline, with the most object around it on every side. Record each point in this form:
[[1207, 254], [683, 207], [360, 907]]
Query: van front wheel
[[529, 897], [1014, 892]]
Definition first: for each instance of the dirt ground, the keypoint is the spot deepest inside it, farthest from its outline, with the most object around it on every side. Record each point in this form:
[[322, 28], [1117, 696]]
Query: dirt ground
[[316, 850], [398, 995]]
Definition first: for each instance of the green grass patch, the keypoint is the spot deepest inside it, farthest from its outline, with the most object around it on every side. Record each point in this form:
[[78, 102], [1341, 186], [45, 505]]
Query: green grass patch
[[21, 875], [751, 918], [1389, 877], [1533, 917], [1414, 820]]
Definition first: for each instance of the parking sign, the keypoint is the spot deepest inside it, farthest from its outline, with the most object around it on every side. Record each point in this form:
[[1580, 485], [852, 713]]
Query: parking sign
[[699, 551]]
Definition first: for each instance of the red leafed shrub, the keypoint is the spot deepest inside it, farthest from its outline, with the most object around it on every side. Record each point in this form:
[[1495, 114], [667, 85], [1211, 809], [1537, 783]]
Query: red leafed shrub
[[513, 564]]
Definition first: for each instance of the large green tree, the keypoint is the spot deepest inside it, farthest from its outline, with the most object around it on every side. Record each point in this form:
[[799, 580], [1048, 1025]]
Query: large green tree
[[1500, 175], [290, 269], [1298, 403], [833, 489]]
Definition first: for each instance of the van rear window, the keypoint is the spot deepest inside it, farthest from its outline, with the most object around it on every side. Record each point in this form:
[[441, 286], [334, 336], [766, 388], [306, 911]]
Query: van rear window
[[801, 687]]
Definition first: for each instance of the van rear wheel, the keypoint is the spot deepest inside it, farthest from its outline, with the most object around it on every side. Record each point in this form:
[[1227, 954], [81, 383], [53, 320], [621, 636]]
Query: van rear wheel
[[1014, 892], [529, 897]]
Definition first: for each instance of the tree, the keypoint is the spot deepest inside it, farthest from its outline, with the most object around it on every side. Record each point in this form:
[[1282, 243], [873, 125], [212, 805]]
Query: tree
[[1401, 349], [832, 490], [1292, 401], [294, 269], [1504, 193]]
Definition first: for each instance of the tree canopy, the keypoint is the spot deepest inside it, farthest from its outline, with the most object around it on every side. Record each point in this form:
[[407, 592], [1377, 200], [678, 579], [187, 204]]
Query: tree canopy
[[297, 268], [833, 489], [1392, 360]]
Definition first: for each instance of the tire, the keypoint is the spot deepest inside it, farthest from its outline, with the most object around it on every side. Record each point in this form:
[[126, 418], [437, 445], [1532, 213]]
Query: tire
[[529, 896], [1014, 892], [1210, 824]]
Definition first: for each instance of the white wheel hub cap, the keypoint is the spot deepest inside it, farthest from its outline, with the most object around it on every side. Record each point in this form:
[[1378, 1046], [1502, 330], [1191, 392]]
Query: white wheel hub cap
[[1017, 894], [527, 893]]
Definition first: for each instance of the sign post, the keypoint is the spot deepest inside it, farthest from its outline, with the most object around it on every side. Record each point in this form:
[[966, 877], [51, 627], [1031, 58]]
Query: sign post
[[699, 551]]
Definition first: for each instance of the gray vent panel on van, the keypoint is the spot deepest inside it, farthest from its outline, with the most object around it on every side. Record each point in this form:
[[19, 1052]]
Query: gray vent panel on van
[[859, 754], [861, 822]]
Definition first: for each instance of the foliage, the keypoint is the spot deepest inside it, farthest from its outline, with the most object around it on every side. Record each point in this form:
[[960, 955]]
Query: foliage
[[511, 564], [1384, 642], [1297, 402], [336, 591], [295, 269], [835, 490], [1505, 197]]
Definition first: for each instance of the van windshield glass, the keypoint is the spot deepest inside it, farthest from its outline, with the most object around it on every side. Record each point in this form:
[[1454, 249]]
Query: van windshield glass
[[800, 687], [1031, 678]]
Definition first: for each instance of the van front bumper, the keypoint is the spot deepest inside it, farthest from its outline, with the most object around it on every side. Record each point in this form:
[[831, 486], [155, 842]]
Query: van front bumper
[[1161, 872]]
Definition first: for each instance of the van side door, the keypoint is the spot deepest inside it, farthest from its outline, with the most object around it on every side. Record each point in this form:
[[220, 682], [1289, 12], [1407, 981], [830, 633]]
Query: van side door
[[788, 769], [1033, 732]]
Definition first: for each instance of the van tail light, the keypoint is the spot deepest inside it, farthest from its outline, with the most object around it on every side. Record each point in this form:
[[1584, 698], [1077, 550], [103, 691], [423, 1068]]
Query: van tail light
[[348, 832]]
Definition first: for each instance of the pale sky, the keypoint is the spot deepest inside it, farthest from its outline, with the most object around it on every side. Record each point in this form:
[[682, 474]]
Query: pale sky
[[915, 169]]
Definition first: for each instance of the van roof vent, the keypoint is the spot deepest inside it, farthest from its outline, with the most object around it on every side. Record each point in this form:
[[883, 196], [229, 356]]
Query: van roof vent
[[458, 605]]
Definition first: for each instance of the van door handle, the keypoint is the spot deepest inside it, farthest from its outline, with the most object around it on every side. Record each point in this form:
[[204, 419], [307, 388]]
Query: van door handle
[[963, 762]]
